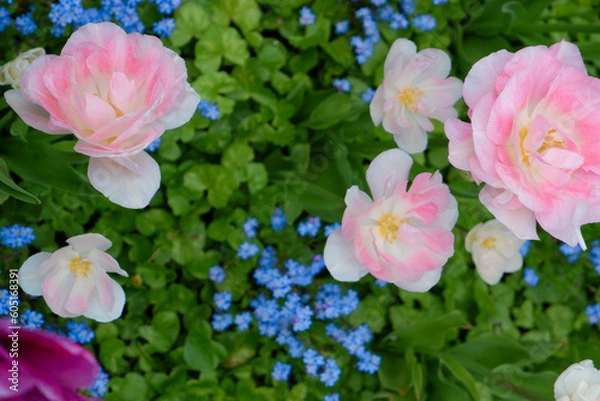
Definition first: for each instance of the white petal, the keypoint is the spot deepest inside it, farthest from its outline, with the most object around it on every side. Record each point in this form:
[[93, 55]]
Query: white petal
[[184, 112], [84, 243], [412, 140], [104, 261], [424, 284], [29, 279], [130, 182], [387, 170], [376, 106], [340, 260], [98, 313], [401, 48]]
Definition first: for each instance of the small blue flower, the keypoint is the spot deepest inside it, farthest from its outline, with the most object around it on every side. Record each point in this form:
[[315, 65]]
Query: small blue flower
[[281, 371], [438, 2], [310, 227], [278, 220], [164, 28], [342, 85], [331, 228], [380, 283], [32, 319], [363, 49], [247, 250], [530, 277], [571, 252], [385, 13], [398, 21], [336, 333], [363, 12], [524, 250], [408, 6], [216, 274], [243, 320], [154, 145], [5, 19], [209, 110], [331, 373], [367, 95], [307, 17], [332, 397], [378, 2], [221, 321], [368, 362], [341, 27], [223, 300], [249, 227], [100, 386], [79, 332], [16, 236], [166, 6], [593, 313], [4, 305], [424, 22]]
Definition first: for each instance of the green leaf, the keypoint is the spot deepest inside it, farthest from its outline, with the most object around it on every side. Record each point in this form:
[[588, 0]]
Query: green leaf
[[236, 49], [393, 373], [430, 334], [237, 154], [191, 20], [330, 111], [416, 373], [199, 351], [257, 177], [48, 167], [19, 129], [340, 50], [245, 13], [8, 186], [163, 331], [461, 374], [488, 351], [132, 387]]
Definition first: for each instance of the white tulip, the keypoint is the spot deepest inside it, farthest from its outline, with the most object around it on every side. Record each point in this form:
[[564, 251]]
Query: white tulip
[[580, 382], [74, 279], [10, 73], [495, 250]]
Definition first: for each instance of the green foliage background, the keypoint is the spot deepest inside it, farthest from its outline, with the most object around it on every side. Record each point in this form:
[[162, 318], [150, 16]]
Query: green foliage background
[[287, 138]]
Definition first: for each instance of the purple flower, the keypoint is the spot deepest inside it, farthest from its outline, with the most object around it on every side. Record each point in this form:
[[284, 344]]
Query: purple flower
[[48, 364]]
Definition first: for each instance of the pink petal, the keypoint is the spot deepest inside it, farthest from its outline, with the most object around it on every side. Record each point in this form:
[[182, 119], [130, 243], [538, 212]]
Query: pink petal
[[340, 260], [482, 77], [104, 261], [509, 211], [568, 54], [460, 146], [184, 112], [99, 112], [98, 310], [77, 302], [357, 203], [424, 284], [128, 182], [389, 169], [29, 277], [32, 114], [400, 51], [122, 93]]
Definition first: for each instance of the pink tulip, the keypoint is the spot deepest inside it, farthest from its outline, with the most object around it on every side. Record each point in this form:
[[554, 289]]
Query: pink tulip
[[415, 89], [46, 366], [116, 93], [533, 140], [74, 280], [401, 236]]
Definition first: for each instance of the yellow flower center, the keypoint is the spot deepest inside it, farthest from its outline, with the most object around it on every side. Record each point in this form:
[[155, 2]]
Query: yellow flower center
[[80, 267], [489, 243], [551, 140], [409, 97], [389, 224]]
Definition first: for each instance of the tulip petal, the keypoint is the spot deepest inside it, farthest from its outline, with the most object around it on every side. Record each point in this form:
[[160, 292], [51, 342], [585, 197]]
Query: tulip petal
[[84, 243], [387, 170], [29, 278], [33, 115], [130, 182], [424, 284], [96, 309], [340, 260]]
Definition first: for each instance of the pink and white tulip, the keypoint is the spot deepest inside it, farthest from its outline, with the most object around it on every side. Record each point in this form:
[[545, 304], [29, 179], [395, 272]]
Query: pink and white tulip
[[74, 279], [533, 140], [495, 250], [401, 236], [415, 89], [10, 73], [116, 93]]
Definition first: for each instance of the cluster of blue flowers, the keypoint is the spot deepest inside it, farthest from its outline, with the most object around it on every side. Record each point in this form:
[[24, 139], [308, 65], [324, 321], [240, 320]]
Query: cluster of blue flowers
[[571, 252], [342, 85], [154, 145], [65, 13], [593, 313], [209, 110], [100, 386], [530, 277], [287, 309], [307, 16], [395, 17], [16, 236]]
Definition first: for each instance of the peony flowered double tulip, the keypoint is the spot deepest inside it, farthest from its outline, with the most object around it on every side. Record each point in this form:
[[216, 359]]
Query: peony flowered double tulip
[[74, 280], [117, 93], [579, 382], [495, 250], [533, 140], [402, 236], [43, 366], [415, 89]]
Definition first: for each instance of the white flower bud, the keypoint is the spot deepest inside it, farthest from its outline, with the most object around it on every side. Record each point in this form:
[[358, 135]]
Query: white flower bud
[[10, 73]]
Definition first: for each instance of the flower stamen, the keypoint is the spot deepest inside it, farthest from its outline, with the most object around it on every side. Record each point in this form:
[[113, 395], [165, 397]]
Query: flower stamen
[[80, 267], [409, 97]]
